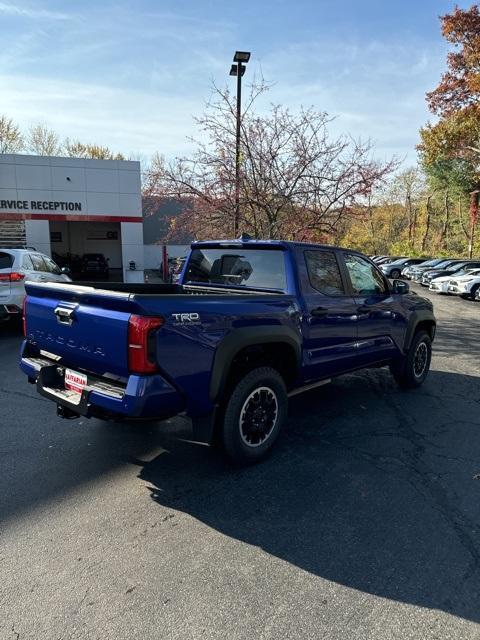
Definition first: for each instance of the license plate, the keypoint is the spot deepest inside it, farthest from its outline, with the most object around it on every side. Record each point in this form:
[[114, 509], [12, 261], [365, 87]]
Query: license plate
[[75, 381]]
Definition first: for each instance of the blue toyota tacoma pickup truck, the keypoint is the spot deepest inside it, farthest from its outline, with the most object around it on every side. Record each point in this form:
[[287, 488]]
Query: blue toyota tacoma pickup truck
[[248, 324]]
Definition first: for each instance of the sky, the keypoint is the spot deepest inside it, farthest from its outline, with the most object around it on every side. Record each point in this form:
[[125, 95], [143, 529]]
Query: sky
[[132, 75]]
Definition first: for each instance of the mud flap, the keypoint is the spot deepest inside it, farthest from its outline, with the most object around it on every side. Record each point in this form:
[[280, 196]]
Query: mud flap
[[204, 427]]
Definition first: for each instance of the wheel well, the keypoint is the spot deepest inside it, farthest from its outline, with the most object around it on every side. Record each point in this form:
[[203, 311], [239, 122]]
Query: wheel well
[[428, 326], [279, 355]]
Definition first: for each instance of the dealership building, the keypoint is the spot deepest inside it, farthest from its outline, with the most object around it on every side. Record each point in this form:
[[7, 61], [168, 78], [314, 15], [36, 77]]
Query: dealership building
[[73, 206]]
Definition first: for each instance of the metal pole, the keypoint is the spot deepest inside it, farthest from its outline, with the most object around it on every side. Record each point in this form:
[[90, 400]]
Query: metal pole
[[474, 202], [237, 152], [164, 263]]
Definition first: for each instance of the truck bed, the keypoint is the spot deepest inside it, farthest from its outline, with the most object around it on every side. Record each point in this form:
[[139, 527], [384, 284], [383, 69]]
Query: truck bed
[[146, 289], [86, 324]]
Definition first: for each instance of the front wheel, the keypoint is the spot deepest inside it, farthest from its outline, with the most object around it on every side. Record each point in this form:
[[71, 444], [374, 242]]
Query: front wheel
[[473, 291], [396, 273], [411, 370], [254, 414]]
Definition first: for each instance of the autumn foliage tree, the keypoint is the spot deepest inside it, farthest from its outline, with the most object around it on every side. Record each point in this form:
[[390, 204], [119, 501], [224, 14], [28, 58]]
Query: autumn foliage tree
[[459, 87], [77, 149], [43, 141], [11, 138], [296, 180], [450, 148]]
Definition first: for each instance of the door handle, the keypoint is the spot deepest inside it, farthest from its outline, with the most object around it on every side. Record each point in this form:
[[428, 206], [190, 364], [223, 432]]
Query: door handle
[[319, 312], [64, 315], [363, 309]]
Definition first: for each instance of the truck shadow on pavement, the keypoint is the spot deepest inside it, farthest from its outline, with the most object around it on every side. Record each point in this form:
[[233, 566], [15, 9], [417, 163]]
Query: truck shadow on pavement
[[369, 487]]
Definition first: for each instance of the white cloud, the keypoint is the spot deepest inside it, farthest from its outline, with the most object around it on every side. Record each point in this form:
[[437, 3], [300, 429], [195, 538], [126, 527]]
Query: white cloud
[[376, 90], [125, 120], [134, 81], [27, 12]]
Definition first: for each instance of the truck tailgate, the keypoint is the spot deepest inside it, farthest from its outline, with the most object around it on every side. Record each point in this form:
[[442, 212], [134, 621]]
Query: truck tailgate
[[86, 327]]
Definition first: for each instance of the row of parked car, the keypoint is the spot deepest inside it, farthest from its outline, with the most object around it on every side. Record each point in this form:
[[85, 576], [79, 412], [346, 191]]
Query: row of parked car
[[456, 276]]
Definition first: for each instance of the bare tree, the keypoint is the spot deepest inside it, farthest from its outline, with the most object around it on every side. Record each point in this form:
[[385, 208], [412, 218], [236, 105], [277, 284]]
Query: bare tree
[[411, 187], [296, 181], [43, 141], [11, 139]]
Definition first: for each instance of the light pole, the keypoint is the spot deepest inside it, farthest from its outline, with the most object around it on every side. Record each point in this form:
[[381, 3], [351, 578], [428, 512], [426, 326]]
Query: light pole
[[240, 58], [474, 202]]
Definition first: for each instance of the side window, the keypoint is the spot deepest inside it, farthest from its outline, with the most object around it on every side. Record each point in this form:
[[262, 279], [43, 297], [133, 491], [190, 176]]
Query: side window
[[38, 263], [6, 260], [324, 273], [51, 266], [366, 280], [27, 262]]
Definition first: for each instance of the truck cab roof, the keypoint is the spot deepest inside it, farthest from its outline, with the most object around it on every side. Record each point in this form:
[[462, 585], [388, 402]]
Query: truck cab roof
[[269, 244]]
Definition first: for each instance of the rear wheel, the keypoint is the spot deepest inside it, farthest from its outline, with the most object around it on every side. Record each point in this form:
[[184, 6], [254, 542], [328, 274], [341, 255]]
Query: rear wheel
[[411, 370], [396, 273], [254, 414]]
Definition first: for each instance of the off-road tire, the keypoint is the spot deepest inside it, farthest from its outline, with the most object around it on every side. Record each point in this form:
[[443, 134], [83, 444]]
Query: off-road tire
[[411, 370], [247, 417]]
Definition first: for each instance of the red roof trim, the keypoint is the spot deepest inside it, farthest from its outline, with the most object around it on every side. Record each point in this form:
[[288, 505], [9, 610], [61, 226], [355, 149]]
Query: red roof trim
[[68, 217]]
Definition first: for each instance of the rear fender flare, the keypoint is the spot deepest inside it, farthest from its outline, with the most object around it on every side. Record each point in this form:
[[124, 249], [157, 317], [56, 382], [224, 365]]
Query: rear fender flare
[[237, 340]]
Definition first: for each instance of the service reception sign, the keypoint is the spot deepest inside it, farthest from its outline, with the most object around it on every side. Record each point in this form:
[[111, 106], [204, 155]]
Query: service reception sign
[[71, 189], [39, 205]]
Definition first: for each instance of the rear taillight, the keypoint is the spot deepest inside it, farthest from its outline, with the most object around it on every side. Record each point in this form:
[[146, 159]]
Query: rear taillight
[[141, 343], [24, 316], [14, 276]]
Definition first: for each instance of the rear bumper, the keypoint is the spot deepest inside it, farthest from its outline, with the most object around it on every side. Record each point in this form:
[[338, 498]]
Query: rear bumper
[[148, 397], [9, 310], [11, 305]]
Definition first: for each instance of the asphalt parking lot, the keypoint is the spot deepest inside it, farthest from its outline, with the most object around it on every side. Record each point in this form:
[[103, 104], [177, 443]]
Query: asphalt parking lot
[[363, 524]]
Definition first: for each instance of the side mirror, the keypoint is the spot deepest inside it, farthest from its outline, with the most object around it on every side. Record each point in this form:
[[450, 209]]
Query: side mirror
[[401, 287], [66, 270]]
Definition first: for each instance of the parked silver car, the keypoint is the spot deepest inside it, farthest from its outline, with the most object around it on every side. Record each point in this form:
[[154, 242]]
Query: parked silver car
[[16, 267], [411, 272]]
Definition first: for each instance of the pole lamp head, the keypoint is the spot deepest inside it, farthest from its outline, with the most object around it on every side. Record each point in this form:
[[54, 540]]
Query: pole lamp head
[[241, 56], [234, 70]]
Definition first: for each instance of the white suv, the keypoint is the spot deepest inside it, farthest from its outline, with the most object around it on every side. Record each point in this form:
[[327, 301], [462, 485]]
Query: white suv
[[441, 284], [16, 267], [466, 286]]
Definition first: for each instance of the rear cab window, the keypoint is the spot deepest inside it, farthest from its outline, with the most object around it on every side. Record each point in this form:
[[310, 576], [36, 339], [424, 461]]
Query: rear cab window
[[324, 272], [237, 267]]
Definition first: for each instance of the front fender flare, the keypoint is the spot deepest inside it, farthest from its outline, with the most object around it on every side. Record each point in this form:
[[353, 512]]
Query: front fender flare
[[417, 317]]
